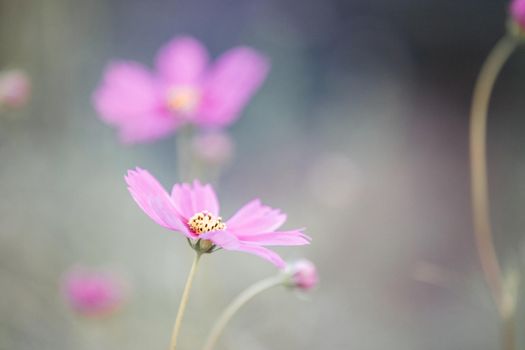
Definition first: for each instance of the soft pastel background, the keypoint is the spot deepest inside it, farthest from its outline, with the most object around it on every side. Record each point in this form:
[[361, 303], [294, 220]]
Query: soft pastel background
[[360, 134]]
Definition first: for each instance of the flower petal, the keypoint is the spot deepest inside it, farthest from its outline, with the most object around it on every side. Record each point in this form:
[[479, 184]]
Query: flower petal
[[262, 252], [234, 78], [127, 90], [148, 127], [283, 238], [128, 98], [228, 241], [182, 61], [165, 211], [154, 200], [255, 218], [195, 198]]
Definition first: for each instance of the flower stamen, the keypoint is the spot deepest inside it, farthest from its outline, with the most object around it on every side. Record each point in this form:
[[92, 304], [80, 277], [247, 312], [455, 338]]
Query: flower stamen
[[205, 222], [182, 99]]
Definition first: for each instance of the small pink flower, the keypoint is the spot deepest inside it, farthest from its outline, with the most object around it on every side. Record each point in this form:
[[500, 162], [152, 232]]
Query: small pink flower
[[15, 88], [185, 88], [193, 210], [214, 147], [303, 274], [517, 11], [92, 293]]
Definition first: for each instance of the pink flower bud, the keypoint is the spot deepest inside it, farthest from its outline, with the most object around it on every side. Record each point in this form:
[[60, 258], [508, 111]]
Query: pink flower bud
[[214, 147], [303, 274], [15, 88], [92, 293], [517, 11]]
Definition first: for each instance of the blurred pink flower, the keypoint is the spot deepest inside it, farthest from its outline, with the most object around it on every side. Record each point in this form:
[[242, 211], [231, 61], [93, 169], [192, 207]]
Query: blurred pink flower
[[15, 88], [303, 274], [517, 11], [92, 293], [185, 88], [214, 147], [193, 210]]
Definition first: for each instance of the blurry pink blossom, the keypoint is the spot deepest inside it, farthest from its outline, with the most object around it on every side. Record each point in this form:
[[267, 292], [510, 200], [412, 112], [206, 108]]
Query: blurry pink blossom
[[214, 147], [15, 88], [185, 88], [303, 274], [517, 11], [92, 293], [193, 210]]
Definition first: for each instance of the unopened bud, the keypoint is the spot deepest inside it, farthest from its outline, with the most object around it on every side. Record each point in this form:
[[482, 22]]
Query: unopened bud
[[303, 274]]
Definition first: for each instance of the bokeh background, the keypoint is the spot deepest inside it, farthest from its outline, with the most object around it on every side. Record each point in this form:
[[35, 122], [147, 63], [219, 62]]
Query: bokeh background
[[359, 133]]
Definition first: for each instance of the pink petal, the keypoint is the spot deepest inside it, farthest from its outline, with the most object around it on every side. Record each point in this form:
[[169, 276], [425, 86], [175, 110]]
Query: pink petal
[[167, 213], [262, 252], [128, 98], [283, 238], [127, 91], [192, 199], [230, 84], [228, 241], [148, 127], [255, 218], [517, 10], [182, 61], [154, 200]]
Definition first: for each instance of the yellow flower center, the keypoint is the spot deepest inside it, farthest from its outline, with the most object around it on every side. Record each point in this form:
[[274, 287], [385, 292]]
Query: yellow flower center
[[205, 222], [182, 99]]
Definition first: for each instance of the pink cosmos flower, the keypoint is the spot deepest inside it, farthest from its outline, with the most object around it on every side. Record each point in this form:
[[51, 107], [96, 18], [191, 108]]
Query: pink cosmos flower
[[92, 293], [303, 274], [184, 88], [193, 210], [15, 88], [517, 11]]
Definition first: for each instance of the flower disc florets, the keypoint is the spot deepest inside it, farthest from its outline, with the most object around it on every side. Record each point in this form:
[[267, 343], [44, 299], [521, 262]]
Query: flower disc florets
[[183, 99], [206, 222]]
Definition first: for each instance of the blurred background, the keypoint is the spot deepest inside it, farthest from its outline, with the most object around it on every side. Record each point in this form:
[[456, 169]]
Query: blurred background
[[360, 135]]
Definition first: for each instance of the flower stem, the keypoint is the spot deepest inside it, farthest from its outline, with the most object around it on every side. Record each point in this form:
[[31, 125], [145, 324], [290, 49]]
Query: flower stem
[[478, 162], [183, 149], [479, 182], [237, 304], [184, 301]]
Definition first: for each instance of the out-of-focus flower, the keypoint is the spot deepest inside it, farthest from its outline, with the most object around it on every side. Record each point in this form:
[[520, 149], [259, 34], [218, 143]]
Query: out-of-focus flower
[[193, 210], [15, 88], [185, 88], [303, 274], [517, 12], [214, 147], [92, 293]]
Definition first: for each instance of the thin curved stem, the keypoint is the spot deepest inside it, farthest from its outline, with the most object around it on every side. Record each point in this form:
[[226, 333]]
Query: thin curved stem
[[478, 162], [237, 304], [184, 301]]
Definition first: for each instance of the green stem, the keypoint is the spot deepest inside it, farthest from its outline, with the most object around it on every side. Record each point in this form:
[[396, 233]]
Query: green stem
[[478, 158], [479, 180], [237, 304], [183, 149], [184, 302]]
